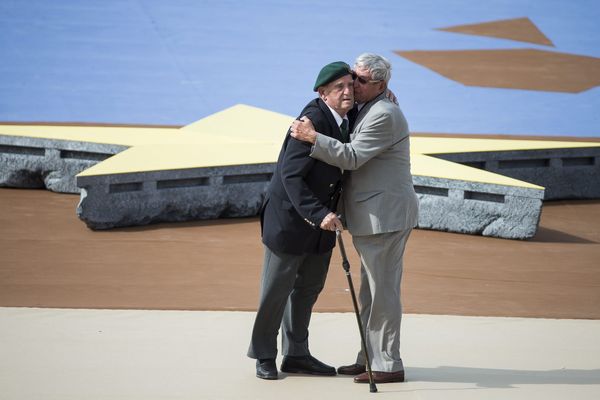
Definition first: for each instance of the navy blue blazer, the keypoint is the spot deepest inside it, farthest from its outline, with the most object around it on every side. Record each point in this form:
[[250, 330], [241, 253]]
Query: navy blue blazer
[[302, 192]]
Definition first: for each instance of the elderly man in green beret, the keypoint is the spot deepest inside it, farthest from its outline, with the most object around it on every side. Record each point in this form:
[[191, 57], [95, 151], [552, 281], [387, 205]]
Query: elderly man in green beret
[[298, 223], [380, 207]]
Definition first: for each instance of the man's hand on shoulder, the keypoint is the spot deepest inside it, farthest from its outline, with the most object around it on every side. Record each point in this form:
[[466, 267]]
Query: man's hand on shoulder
[[304, 130], [331, 222], [391, 96]]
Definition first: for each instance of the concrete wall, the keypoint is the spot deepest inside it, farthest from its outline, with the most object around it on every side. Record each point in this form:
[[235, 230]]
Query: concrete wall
[[45, 163], [109, 201], [565, 173]]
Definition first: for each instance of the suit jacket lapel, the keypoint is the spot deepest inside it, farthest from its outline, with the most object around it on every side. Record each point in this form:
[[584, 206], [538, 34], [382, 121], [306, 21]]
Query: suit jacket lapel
[[352, 114], [334, 130], [365, 109]]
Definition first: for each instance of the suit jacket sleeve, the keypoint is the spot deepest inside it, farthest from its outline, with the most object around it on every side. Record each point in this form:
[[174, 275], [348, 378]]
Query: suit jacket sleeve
[[375, 136], [294, 169]]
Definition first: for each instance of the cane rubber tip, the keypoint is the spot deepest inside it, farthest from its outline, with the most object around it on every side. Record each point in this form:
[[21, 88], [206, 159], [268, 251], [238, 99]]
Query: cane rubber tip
[[373, 388]]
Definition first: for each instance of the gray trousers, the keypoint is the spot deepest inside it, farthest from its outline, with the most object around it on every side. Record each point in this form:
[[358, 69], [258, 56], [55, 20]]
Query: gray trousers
[[290, 285], [379, 296]]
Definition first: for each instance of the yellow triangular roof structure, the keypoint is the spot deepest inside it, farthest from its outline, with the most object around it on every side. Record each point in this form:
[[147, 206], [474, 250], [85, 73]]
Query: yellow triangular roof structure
[[244, 134]]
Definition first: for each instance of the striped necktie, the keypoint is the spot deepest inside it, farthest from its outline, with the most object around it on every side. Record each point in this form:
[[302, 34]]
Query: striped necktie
[[344, 130]]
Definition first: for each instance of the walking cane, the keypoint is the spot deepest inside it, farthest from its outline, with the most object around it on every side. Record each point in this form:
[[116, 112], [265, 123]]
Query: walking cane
[[346, 265]]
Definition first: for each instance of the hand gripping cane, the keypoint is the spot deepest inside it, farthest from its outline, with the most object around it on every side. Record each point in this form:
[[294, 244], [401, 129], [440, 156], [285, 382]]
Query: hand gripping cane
[[346, 265]]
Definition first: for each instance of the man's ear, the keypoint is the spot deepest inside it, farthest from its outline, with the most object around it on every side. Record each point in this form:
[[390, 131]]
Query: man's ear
[[322, 93]]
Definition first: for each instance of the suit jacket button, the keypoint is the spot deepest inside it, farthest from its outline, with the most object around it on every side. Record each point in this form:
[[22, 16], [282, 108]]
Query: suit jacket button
[[331, 185]]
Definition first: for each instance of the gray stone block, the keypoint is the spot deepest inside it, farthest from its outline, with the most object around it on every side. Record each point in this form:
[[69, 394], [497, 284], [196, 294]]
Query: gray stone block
[[478, 208], [565, 173], [109, 201], [51, 164], [118, 200]]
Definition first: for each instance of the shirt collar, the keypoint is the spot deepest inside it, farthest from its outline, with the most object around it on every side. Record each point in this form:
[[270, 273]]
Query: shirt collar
[[338, 118]]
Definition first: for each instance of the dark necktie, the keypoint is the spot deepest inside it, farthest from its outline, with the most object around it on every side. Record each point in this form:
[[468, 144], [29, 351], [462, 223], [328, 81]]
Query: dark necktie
[[344, 130]]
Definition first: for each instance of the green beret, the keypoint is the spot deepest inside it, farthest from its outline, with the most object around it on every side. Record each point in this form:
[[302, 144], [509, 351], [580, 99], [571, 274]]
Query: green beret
[[331, 72]]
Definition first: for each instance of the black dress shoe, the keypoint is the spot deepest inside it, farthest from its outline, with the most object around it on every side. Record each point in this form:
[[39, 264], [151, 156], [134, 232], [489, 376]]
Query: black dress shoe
[[353, 369], [306, 365], [266, 369]]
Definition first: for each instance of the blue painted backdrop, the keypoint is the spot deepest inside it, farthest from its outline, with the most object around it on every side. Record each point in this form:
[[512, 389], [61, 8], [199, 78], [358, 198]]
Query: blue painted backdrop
[[176, 61]]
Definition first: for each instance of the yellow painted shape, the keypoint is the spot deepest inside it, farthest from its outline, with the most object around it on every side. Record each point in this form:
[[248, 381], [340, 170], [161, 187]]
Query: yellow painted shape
[[243, 122], [427, 166], [172, 157], [438, 145], [435, 167], [123, 136], [240, 123], [243, 135]]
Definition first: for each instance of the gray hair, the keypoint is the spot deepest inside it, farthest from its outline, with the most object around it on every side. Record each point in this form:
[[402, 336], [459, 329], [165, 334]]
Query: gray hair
[[379, 67]]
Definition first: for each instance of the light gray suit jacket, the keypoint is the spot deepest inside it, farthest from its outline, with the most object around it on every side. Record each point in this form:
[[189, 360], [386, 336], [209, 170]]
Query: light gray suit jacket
[[378, 196]]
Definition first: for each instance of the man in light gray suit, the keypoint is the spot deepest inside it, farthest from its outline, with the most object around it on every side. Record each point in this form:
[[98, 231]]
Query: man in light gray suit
[[380, 209]]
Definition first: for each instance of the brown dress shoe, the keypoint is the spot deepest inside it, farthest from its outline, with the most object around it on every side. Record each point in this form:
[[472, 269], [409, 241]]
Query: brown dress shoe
[[353, 369], [380, 377]]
